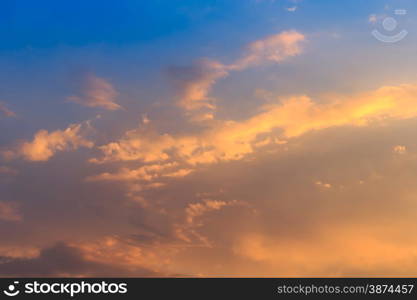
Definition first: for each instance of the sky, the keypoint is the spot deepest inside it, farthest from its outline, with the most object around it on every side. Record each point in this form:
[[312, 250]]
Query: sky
[[208, 138]]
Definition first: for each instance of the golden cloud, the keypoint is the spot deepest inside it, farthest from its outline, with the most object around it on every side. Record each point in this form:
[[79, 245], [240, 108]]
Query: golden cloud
[[45, 144], [232, 140]]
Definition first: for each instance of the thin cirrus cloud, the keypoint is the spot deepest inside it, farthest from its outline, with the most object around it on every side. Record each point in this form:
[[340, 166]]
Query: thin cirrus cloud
[[8, 171], [195, 82], [5, 111], [96, 92], [275, 48], [46, 144], [9, 212], [291, 9]]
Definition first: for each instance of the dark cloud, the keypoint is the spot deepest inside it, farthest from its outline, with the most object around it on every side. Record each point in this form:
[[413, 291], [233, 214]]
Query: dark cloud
[[63, 260]]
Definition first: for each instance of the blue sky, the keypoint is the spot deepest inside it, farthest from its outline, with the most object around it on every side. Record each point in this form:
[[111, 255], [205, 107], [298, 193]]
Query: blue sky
[[48, 23], [152, 34]]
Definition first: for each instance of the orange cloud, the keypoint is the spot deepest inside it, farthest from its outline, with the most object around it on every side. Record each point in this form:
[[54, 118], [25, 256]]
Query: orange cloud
[[361, 251], [195, 210], [294, 116], [188, 230], [164, 159], [45, 144], [71, 260], [399, 149], [275, 48], [145, 173], [195, 83], [129, 255]]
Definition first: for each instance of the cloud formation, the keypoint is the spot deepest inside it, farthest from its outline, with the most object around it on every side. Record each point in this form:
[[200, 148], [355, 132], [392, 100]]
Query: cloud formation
[[97, 92], [63, 260], [293, 212], [195, 82], [232, 140], [5, 111], [45, 144], [273, 49]]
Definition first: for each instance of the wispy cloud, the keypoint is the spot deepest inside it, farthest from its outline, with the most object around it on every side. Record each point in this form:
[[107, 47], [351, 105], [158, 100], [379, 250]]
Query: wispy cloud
[[6, 111], [96, 92], [195, 82], [9, 212], [8, 171], [291, 9]]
